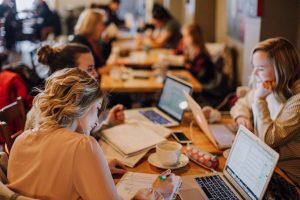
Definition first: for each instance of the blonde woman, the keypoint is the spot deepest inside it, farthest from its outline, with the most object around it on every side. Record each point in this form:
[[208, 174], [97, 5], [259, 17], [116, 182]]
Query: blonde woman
[[272, 108], [60, 160], [88, 31]]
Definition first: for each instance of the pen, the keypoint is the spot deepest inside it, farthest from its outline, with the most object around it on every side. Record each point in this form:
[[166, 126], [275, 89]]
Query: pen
[[164, 175]]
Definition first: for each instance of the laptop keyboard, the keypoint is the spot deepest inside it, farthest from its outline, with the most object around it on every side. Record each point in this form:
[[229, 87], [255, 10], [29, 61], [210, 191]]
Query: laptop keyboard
[[215, 188], [154, 117]]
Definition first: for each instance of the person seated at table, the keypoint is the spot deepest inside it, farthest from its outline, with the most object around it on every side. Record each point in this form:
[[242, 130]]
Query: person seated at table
[[197, 58], [88, 31], [59, 159], [198, 62], [111, 12], [272, 107], [169, 29], [50, 21], [69, 56]]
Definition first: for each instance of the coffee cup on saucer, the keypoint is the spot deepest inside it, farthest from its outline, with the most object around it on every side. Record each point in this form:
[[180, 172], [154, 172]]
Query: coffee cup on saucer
[[168, 153]]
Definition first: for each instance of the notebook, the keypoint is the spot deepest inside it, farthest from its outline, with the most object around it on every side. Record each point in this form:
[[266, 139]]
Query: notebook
[[132, 138], [246, 174], [219, 134], [112, 153], [131, 182], [171, 105]]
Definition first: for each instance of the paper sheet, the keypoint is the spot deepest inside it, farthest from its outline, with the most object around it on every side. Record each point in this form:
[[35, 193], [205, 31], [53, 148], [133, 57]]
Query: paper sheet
[[131, 182], [132, 138]]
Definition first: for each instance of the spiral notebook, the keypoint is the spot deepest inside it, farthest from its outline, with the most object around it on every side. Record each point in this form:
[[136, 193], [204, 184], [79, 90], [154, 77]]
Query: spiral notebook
[[131, 182]]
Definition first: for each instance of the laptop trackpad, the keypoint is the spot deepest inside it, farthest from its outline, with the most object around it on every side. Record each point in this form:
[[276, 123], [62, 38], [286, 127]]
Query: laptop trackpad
[[190, 194]]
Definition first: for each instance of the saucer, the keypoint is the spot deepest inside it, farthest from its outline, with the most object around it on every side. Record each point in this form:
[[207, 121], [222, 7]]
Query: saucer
[[153, 160], [226, 153]]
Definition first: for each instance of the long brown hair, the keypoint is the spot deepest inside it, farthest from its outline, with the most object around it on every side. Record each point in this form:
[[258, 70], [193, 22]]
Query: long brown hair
[[285, 60], [195, 31]]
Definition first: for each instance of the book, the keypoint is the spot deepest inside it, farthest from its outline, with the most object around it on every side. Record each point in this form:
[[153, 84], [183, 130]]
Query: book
[[111, 153], [132, 138], [131, 182]]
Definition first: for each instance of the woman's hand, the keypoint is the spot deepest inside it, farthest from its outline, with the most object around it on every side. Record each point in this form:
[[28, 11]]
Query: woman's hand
[[116, 115], [165, 187], [245, 122], [263, 89], [116, 167]]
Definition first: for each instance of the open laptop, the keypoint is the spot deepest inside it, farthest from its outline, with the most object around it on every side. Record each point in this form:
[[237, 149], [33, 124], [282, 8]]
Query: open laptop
[[246, 174], [219, 134], [171, 105]]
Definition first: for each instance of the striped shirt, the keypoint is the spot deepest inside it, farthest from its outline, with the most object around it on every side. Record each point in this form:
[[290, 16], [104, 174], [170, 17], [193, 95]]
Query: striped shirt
[[278, 125]]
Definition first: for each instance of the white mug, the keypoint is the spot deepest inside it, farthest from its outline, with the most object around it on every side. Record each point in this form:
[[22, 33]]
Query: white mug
[[168, 153]]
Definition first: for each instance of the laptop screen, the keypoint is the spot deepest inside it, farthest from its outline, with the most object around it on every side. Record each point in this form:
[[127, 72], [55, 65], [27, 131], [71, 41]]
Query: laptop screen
[[250, 164], [172, 99]]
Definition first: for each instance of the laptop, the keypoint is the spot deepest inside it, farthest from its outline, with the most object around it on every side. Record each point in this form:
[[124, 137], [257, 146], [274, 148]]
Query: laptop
[[170, 107], [246, 174], [219, 134]]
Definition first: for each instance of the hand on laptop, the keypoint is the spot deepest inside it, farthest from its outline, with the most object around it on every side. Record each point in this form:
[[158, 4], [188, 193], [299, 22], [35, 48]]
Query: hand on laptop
[[241, 120], [116, 167], [116, 115]]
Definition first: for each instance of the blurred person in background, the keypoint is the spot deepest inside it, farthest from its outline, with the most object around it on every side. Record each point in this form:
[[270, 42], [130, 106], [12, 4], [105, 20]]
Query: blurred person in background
[[167, 28]]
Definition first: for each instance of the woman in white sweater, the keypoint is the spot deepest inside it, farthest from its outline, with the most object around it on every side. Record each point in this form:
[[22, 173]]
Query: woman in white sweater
[[272, 107]]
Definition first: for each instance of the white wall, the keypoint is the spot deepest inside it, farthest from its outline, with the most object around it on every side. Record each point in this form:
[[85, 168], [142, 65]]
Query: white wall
[[63, 5], [251, 38]]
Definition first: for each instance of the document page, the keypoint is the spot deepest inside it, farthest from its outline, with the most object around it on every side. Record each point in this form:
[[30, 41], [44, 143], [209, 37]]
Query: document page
[[131, 182], [131, 138]]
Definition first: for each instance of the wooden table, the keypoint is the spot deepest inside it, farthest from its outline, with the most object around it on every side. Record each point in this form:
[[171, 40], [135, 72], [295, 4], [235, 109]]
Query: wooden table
[[199, 140], [129, 53], [151, 84]]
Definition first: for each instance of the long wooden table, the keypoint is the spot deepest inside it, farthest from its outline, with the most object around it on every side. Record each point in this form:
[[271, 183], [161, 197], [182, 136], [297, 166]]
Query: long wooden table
[[151, 84], [198, 138]]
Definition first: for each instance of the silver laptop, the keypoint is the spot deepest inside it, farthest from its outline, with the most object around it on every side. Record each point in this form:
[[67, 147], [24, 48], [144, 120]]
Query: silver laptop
[[246, 174], [219, 134], [171, 105]]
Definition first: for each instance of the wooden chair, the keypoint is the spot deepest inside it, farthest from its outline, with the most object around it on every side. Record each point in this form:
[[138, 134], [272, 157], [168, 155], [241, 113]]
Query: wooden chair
[[12, 113]]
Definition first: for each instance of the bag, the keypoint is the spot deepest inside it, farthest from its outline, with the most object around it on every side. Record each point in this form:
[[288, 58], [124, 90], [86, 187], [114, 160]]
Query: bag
[[28, 75], [201, 157]]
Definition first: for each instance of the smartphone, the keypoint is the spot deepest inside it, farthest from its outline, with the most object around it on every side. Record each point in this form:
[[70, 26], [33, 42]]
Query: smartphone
[[181, 137]]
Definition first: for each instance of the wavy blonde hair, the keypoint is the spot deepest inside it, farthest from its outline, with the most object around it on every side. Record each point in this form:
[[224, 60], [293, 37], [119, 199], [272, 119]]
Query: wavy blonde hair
[[285, 60], [87, 21], [67, 96]]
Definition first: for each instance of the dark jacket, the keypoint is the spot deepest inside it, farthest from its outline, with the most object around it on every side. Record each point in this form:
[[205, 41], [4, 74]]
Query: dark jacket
[[105, 49]]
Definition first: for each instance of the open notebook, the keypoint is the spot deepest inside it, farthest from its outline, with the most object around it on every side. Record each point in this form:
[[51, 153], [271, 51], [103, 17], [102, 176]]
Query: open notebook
[[135, 137], [131, 182]]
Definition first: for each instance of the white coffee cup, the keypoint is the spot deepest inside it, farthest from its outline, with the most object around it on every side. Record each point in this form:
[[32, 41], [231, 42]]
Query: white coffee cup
[[168, 153]]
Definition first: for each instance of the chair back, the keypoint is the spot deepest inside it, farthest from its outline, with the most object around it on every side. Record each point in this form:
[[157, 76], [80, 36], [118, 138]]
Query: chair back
[[14, 114]]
